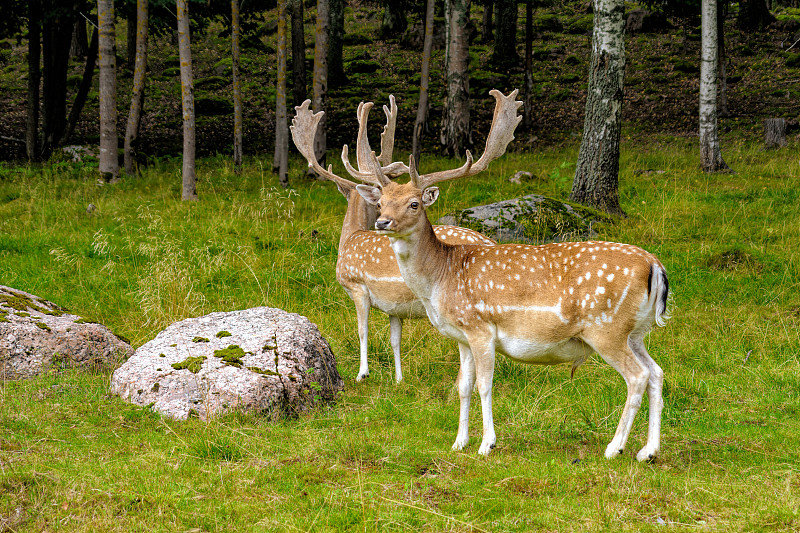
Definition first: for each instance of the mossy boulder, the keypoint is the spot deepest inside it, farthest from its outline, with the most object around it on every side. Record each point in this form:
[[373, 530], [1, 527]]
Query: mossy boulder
[[532, 219]]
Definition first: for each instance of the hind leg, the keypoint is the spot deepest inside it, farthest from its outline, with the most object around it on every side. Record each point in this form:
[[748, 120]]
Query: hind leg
[[655, 387]]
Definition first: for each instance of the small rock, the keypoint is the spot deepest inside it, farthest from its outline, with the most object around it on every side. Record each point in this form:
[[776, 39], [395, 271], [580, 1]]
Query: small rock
[[520, 176], [91, 208]]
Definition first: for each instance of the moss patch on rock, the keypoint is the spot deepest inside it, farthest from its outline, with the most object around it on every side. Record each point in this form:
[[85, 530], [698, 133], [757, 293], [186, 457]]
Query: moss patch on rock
[[231, 356], [223, 333], [192, 364]]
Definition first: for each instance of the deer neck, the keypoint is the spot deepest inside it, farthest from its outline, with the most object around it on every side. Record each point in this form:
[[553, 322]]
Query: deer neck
[[360, 216], [422, 258]]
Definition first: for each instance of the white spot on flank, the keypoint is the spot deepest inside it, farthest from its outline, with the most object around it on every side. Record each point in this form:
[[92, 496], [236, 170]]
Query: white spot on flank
[[600, 290], [610, 277]]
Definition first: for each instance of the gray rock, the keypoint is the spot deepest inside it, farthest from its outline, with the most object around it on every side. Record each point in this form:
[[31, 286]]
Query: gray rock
[[260, 359], [533, 219], [37, 336]]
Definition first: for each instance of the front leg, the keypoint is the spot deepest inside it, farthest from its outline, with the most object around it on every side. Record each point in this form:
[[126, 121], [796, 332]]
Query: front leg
[[396, 328], [484, 355], [362, 315], [465, 383]]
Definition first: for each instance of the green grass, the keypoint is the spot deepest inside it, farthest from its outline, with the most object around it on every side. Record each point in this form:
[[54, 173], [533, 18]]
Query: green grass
[[74, 458]]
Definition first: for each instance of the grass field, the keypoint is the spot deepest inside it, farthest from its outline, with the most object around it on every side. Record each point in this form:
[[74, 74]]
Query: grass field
[[74, 458]]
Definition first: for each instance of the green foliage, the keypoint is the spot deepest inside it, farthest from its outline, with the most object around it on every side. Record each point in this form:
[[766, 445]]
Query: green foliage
[[192, 364]]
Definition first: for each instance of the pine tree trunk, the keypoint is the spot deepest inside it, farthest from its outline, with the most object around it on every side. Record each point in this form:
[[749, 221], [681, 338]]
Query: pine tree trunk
[[237, 85], [710, 152], [774, 132], [56, 38], [83, 90], [754, 15], [189, 186], [130, 36], [78, 48], [394, 19], [137, 97], [456, 135], [281, 159], [299, 93], [34, 77], [505, 53], [487, 29], [422, 108], [320, 89], [596, 182], [109, 160], [336, 75], [527, 111]]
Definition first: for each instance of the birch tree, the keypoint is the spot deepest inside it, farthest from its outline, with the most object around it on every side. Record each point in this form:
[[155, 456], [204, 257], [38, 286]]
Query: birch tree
[[237, 85], [710, 152], [189, 189], [422, 107], [109, 160], [137, 96], [596, 182], [320, 88], [455, 135], [281, 159]]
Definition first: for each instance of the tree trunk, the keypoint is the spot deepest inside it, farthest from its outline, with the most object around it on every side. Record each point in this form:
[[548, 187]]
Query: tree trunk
[[456, 135], [505, 38], [237, 85], [189, 188], [58, 22], [83, 90], [753, 15], [336, 75], [422, 108], [109, 160], [487, 29], [78, 48], [710, 152], [774, 132], [723, 74], [394, 19], [596, 181], [299, 92], [320, 89], [34, 76], [137, 97], [527, 111], [130, 37], [281, 159]]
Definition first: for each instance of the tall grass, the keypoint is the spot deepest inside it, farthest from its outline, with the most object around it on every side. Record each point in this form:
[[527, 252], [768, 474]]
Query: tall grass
[[74, 458]]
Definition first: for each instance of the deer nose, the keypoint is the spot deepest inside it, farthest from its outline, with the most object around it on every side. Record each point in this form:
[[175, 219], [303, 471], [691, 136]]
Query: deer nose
[[382, 223]]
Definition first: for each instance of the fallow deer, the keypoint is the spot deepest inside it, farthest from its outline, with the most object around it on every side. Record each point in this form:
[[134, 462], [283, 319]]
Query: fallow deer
[[548, 304], [366, 267]]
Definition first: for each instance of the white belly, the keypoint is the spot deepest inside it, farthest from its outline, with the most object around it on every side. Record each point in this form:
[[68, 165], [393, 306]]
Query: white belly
[[536, 352]]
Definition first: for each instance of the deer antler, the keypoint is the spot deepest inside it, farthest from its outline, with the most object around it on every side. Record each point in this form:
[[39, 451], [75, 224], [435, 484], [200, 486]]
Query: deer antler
[[504, 123], [363, 150], [304, 128]]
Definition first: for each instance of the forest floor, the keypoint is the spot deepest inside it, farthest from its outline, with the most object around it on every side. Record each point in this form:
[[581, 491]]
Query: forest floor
[[661, 86]]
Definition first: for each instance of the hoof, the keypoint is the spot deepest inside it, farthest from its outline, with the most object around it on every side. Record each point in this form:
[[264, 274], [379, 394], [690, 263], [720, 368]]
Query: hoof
[[646, 455], [613, 451], [486, 448], [362, 376]]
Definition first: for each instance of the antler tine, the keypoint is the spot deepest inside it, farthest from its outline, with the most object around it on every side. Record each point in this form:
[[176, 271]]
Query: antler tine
[[504, 122], [304, 128], [387, 136], [376, 168]]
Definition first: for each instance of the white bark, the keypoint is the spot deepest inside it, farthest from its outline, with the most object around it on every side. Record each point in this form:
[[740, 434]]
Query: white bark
[[710, 152], [189, 189], [109, 161]]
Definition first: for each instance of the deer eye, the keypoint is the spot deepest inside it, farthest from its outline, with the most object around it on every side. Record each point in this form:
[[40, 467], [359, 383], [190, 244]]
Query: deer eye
[[414, 205]]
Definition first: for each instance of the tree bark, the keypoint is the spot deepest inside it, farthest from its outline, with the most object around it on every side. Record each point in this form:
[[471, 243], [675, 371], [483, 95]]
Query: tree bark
[[422, 108], [109, 160], [505, 53], [721, 61], [774, 132], [394, 19], [336, 75], [299, 93], [456, 136], [189, 185], [596, 182], [57, 26], [131, 14], [237, 85], [487, 28], [83, 90], [320, 88], [710, 152], [137, 96], [78, 48], [281, 159], [754, 15], [527, 111], [34, 77]]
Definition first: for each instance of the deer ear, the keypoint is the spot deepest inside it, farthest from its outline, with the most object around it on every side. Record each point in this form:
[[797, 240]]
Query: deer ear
[[371, 194], [344, 190], [430, 195]]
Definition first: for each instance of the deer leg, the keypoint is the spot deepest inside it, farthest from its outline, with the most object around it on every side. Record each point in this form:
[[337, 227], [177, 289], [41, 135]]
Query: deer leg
[[396, 327], [362, 315], [654, 388], [465, 383], [636, 375], [484, 355]]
